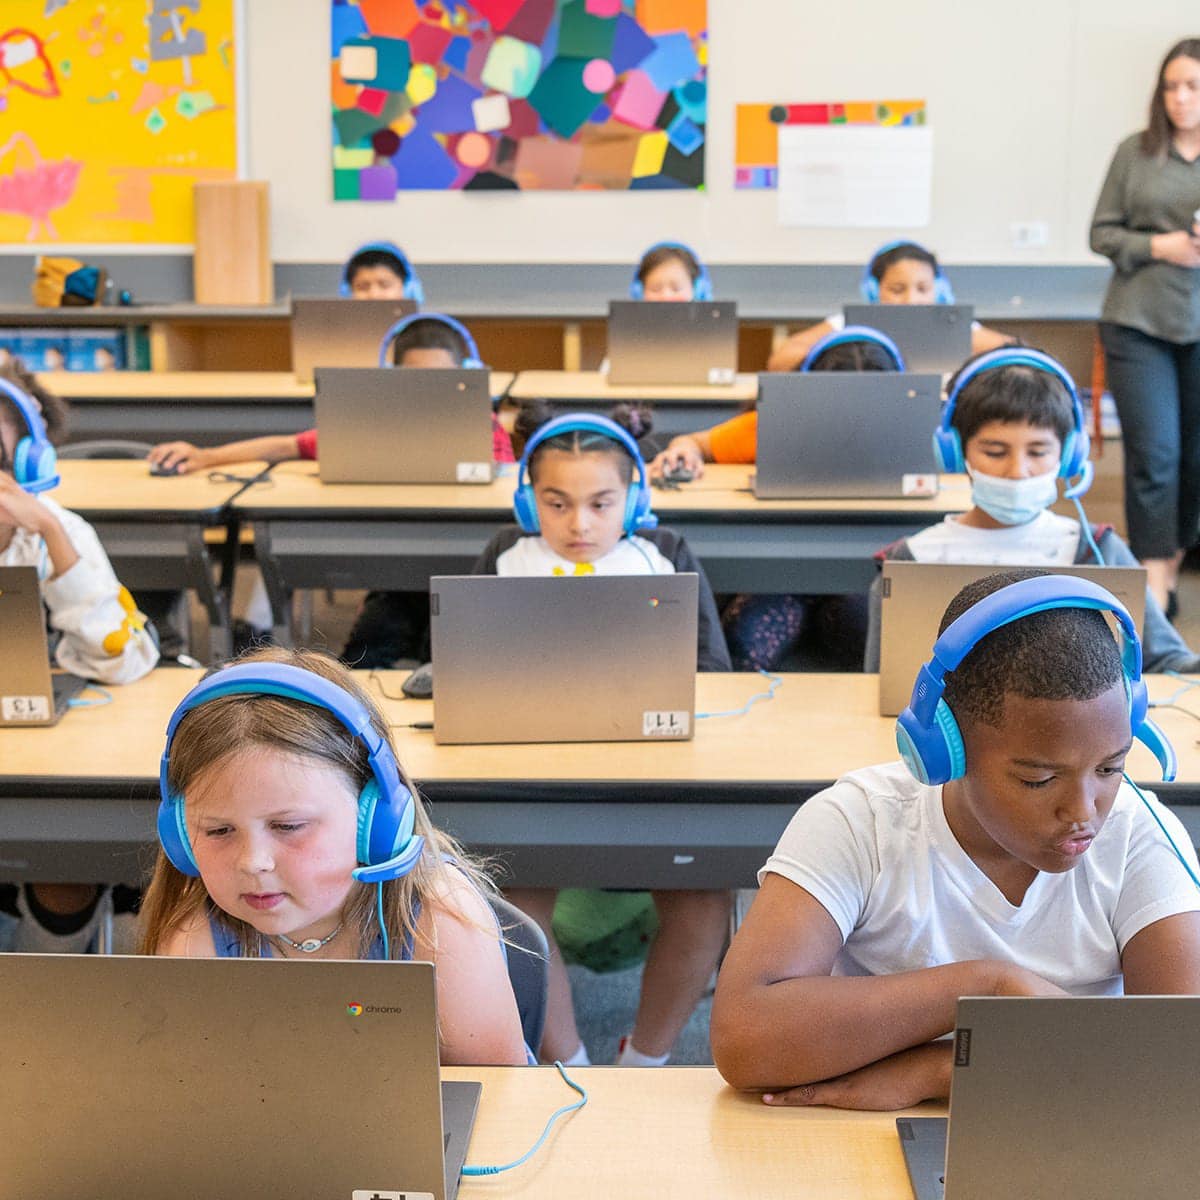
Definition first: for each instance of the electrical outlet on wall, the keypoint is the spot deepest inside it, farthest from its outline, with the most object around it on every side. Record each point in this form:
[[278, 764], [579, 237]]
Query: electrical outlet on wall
[[1029, 235]]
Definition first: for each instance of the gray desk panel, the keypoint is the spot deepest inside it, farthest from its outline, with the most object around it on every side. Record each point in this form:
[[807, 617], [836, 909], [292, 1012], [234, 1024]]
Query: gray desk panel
[[204, 422]]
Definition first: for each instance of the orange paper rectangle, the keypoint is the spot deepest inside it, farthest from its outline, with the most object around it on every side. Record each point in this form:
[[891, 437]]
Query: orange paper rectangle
[[669, 16], [390, 18], [756, 140]]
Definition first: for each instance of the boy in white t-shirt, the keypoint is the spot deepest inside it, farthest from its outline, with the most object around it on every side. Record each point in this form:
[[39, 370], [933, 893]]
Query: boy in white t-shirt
[[1035, 871]]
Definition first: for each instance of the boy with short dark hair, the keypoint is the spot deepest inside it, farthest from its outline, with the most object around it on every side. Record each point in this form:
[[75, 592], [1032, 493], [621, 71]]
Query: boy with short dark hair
[[1035, 872]]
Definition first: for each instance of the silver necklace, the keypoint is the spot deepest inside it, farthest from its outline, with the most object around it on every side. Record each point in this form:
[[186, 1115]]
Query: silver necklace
[[310, 945]]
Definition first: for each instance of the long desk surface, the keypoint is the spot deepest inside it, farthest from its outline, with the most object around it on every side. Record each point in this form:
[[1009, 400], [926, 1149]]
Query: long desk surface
[[77, 800], [675, 1133], [153, 527], [314, 535]]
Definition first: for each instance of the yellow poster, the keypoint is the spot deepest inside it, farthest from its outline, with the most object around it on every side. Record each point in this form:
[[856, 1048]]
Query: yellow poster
[[109, 111]]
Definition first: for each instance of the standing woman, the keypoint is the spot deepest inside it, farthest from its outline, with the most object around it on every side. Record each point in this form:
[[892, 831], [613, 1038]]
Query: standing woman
[[1147, 221]]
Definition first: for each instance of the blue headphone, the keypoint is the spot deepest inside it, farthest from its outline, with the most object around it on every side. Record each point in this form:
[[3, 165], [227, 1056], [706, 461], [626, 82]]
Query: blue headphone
[[927, 734], [848, 336], [471, 362], [413, 289], [947, 444], [637, 504], [702, 288], [943, 293], [387, 847], [35, 462]]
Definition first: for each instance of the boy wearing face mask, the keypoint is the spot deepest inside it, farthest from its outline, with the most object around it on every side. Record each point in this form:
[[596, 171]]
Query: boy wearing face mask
[[1013, 421]]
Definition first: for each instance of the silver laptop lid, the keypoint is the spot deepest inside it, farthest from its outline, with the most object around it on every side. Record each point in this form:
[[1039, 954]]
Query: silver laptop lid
[[341, 333], [27, 693], [1063, 1097], [155, 1077], [915, 595], [694, 342], [846, 434], [404, 425], [593, 659], [932, 337]]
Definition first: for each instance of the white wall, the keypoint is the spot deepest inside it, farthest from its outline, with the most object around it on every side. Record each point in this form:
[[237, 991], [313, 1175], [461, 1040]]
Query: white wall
[[1027, 99]]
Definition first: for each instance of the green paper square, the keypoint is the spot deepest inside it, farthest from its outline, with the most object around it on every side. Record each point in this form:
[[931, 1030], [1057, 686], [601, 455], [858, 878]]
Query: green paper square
[[345, 185]]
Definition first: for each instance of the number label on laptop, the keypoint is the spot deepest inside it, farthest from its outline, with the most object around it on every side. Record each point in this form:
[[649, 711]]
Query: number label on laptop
[[721, 375], [919, 485], [665, 724], [473, 472], [25, 708], [374, 1194]]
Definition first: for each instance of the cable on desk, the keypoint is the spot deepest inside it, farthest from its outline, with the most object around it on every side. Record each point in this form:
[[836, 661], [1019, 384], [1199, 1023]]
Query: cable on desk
[[105, 698], [263, 477], [776, 682], [562, 1112]]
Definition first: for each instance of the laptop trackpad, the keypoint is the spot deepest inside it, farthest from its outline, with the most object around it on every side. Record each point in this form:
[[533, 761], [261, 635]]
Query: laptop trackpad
[[923, 1140], [460, 1100]]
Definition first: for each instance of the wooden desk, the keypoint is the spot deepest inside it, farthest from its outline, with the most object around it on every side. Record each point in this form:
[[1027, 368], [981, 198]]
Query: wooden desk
[[682, 409], [153, 528], [310, 535], [208, 408], [77, 800], [675, 1133]]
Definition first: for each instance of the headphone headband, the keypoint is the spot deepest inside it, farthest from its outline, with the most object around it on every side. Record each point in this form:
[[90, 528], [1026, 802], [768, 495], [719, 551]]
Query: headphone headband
[[413, 288], [947, 442], [472, 360], [637, 508], [868, 286], [702, 288], [35, 460], [854, 335]]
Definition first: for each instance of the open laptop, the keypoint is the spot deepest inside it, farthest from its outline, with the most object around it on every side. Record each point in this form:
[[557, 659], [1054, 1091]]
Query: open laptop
[[341, 333], [30, 693], [581, 659], [694, 342], [833, 434], [404, 425], [1063, 1097], [154, 1077], [915, 595], [932, 337]]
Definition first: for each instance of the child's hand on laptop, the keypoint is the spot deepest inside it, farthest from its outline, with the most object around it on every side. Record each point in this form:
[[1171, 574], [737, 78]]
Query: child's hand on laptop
[[177, 457]]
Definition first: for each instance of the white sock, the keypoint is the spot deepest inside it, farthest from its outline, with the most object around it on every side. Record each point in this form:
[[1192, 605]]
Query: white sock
[[579, 1058], [630, 1056]]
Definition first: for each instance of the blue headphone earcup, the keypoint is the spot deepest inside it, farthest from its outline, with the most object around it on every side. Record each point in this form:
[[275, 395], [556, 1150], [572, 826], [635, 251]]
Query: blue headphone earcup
[[934, 754], [413, 289], [870, 289], [637, 290], [173, 836], [525, 509], [948, 451], [702, 289], [943, 293]]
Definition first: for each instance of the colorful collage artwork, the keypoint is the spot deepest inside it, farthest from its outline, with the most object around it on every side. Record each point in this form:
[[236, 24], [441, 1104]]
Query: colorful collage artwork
[[110, 112], [756, 146], [517, 95]]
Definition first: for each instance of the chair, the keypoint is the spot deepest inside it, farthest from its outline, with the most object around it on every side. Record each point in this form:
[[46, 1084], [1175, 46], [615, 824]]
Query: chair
[[528, 966], [105, 448]]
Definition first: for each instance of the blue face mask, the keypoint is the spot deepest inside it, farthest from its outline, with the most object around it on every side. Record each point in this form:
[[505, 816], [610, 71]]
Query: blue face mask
[[1013, 501]]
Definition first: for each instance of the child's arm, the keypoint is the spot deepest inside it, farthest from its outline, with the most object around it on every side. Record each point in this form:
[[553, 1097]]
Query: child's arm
[[689, 451], [780, 1021], [187, 458], [1164, 958], [791, 352], [983, 338], [477, 1011]]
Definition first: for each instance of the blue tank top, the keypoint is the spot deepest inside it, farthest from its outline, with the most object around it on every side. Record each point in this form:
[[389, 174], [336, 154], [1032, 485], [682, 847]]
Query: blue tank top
[[228, 946]]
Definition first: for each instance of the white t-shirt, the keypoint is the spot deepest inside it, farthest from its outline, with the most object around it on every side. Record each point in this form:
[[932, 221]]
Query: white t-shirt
[[877, 853], [630, 556], [1047, 540], [838, 322]]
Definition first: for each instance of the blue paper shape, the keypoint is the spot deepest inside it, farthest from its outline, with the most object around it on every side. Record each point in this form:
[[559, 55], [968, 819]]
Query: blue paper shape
[[560, 98], [683, 134], [393, 61], [672, 62], [449, 109], [346, 22], [692, 98], [422, 163], [455, 54], [631, 44]]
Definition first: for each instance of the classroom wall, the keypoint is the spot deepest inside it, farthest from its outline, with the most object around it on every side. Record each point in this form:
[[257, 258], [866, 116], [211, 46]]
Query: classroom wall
[[1027, 101]]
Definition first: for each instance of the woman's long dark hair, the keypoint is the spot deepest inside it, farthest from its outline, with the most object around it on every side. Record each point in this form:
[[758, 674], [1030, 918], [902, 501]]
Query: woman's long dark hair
[[1156, 137]]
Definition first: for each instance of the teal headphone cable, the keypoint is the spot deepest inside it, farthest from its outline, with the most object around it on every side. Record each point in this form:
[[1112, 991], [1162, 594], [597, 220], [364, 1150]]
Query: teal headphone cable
[[775, 683], [562, 1112], [1183, 862]]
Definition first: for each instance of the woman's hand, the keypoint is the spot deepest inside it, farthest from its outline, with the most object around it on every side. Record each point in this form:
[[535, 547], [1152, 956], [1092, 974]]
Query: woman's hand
[[1180, 248]]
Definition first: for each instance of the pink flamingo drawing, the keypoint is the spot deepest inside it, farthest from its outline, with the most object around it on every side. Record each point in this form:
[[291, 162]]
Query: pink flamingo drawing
[[36, 191]]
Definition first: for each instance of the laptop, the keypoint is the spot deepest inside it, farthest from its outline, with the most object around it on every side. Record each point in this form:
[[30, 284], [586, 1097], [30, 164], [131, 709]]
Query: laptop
[[581, 659], [932, 337], [843, 435], [152, 1077], [1071, 1096], [915, 595], [695, 342], [404, 425], [341, 333], [30, 693]]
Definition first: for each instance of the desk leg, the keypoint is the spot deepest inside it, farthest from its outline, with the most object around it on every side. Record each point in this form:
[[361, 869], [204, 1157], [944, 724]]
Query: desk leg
[[278, 593], [208, 589]]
